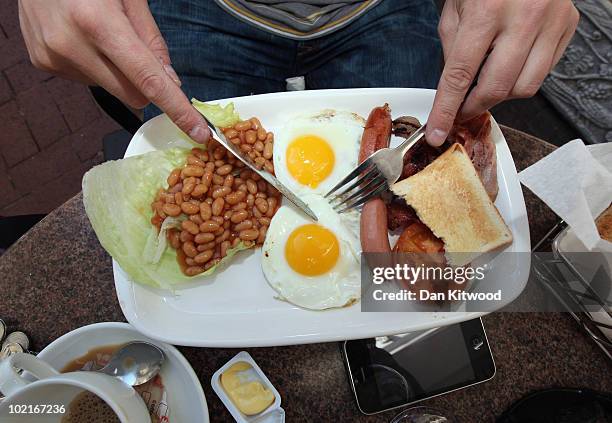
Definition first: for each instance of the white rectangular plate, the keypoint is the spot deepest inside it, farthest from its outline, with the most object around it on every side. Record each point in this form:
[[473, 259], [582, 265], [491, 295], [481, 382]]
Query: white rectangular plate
[[237, 308]]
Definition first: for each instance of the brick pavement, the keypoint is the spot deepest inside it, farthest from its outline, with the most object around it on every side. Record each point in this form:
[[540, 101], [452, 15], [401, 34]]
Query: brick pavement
[[51, 129]]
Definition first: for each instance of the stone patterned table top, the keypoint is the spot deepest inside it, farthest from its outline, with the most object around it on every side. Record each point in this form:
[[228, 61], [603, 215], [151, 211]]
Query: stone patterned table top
[[57, 278]]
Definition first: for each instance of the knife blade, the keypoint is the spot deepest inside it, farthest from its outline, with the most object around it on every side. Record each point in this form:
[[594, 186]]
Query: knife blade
[[268, 177]]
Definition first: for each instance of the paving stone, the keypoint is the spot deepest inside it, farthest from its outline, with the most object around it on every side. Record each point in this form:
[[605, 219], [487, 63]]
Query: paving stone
[[12, 51], [23, 76], [8, 193], [42, 115], [49, 196], [9, 18], [74, 101], [16, 142], [31, 203], [44, 166], [51, 129], [60, 88], [5, 90], [87, 141]]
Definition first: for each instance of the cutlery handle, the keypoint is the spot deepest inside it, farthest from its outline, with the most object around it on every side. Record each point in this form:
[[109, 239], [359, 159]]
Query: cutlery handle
[[11, 381], [411, 140]]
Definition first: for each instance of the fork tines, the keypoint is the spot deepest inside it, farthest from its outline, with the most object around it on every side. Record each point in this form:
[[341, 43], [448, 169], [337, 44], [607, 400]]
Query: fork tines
[[368, 183]]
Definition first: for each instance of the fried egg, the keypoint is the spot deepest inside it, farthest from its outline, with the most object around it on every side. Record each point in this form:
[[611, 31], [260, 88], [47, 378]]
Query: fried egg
[[314, 265], [313, 153]]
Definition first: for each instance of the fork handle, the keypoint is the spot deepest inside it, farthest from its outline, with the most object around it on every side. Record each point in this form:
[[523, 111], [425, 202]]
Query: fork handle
[[411, 140]]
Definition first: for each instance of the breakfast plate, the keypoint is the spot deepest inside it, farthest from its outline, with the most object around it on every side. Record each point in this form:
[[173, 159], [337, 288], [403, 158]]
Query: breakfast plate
[[236, 307]]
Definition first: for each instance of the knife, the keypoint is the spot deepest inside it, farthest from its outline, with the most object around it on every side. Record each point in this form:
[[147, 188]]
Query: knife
[[271, 179]]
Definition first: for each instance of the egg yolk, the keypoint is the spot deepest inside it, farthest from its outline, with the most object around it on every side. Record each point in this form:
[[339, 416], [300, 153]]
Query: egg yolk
[[312, 250], [310, 160]]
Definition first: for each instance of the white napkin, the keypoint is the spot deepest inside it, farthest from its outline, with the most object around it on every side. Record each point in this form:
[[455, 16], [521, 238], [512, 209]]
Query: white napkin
[[575, 181]]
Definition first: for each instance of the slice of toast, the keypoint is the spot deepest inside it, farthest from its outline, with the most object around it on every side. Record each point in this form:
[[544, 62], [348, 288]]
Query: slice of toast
[[449, 197]]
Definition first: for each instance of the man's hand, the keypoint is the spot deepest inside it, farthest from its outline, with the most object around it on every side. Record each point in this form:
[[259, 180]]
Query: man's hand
[[111, 43], [524, 39]]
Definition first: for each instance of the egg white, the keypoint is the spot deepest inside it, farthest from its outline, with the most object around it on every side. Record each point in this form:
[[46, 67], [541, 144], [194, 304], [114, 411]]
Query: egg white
[[341, 129], [339, 287]]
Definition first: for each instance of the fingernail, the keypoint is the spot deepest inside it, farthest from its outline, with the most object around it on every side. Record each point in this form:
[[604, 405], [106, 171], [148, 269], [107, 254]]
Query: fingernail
[[200, 134], [437, 137], [172, 74]]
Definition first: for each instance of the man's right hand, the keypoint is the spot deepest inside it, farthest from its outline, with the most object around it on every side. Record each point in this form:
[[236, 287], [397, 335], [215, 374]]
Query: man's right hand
[[115, 44]]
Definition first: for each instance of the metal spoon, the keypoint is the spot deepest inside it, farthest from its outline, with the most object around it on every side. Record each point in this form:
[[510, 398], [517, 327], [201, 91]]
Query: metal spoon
[[135, 363]]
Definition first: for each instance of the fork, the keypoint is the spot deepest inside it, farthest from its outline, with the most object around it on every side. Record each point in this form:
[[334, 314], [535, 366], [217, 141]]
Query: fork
[[373, 176]]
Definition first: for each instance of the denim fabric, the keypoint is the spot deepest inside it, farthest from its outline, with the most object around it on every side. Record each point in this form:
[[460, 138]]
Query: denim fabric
[[218, 56]]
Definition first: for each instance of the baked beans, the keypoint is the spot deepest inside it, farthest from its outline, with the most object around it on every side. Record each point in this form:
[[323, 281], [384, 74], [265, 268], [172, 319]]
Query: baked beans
[[174, 177], [171, 209], [223, 203], [199, 190], [187, 208], [253, 140], [190, 227], [208, 246], [195, 218], [185, 236], [204, 237], [236, 197]]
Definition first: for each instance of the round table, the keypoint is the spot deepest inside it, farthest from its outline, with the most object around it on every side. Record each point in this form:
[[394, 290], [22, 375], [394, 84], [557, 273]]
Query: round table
[[57, 278]]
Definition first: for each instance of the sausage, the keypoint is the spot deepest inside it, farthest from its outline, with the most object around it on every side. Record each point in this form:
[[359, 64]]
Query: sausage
[[377, 132], [373, 224], [373, 227]]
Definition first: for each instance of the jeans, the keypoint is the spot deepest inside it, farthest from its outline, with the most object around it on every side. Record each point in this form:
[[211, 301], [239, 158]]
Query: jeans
[[216, 56]]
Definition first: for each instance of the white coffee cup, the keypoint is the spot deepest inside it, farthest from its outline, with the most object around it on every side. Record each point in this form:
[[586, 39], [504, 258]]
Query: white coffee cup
[[48, 398]]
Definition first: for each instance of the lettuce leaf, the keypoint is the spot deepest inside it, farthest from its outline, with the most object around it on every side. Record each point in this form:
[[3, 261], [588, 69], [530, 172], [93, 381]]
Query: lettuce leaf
[[157, 241], [117, 196], [221, 117]]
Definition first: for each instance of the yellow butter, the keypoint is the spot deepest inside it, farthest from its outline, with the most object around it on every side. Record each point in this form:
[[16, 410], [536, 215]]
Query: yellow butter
[[250, 397]]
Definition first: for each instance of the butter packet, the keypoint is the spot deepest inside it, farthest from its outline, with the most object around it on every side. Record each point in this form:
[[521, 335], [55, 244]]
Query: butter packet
[[248, 372]]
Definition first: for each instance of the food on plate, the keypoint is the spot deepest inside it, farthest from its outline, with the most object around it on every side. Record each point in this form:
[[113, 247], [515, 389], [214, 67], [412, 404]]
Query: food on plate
[[373, 222], [604, 224], [399, 214], [313, 152], [424, 249], [314, 265], [200, 206], [405, 126], [474, 135], [418, 238], [421, 154], [220, 116], [253, 139], [245, 390], [214, 204], [117, 197], [441, 207], [451, 200]]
